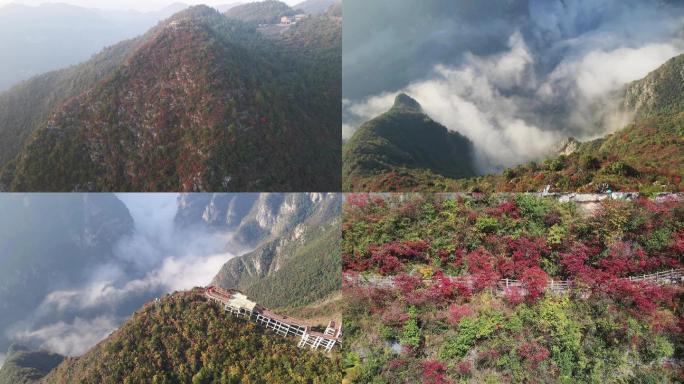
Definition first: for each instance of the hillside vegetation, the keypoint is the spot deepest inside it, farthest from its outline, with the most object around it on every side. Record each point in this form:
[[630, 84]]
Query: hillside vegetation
[[426, 327], [200, 103], [24, 367], [185, 339], [385, 152], [260, 12]]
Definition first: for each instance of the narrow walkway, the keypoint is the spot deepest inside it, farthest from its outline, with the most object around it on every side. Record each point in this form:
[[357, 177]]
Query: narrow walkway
[[239, 305], [675, 276]]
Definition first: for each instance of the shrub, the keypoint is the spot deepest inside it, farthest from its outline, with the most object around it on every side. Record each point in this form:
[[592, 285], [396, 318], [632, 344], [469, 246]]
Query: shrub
[[411, 334]]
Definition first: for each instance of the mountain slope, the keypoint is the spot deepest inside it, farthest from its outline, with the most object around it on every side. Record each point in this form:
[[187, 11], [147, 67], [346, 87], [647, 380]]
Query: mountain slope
[[260, 12], [297, 264], [23, 366], [196, 106], [314, 7], [26, 107], [475, 289], [403, 141], [184, 339]]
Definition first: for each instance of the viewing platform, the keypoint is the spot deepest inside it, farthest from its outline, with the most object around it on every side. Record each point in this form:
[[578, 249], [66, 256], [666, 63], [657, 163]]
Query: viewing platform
[[239, 305]]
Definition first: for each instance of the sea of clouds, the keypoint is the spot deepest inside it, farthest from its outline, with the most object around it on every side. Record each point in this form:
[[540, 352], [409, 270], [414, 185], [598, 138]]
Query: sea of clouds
[[554, 70], [157, 258]]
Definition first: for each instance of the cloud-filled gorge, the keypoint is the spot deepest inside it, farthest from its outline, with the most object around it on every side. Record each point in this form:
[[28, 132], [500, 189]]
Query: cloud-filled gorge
[[157, 258], [515, 77]]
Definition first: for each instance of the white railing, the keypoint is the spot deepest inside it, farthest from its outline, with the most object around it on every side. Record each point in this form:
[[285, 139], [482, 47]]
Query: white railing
[[674, 276]]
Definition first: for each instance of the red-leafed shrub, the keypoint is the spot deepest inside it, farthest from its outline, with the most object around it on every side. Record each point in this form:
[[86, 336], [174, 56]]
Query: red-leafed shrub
[[481, 265], [457, 312], [526, 253], [389, 257], [534, 280], [407, 283], [434, 372], [359, 200], [514, 295], [396, 363], [464, 367], [533, 353], [394, 315]]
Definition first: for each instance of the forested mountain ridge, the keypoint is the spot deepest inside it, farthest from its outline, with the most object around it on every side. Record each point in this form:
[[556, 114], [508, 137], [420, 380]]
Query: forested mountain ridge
[[45, 92], [385, 152], [199, 102], [296, 264], [184, 338], [24, 366], [260, 12]]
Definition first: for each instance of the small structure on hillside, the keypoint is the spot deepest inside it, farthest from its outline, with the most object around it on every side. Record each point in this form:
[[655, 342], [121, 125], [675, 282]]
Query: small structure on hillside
[[290, 20], [239, 305]]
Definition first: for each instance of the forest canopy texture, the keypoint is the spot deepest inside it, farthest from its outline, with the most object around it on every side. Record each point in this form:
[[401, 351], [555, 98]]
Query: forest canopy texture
[[444, 289]]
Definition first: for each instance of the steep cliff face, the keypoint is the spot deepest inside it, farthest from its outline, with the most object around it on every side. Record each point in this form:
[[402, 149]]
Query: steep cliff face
[[51, 240], [300, 252], [660, 92], [252, 218]]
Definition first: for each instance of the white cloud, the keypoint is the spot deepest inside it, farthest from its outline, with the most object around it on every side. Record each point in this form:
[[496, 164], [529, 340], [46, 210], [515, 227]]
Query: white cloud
[[156, 259], [599, 72], [502, 104], [70, 339]]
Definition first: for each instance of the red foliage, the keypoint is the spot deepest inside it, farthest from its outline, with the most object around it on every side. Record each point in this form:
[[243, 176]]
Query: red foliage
[[534, 280], [464, 367], [388, 257], [359, 200], [677, 242], [644, 296], [434, 372], [396, 363], [481, 265], [457, 312], [394, 315], [526, 253], [407, 283], [533, 353], [514, 295]]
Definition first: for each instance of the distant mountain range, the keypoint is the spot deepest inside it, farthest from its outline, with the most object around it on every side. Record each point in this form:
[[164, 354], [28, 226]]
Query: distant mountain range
[[200, 102], [24, 366], [51, 36], [291, 241], [393, 152]]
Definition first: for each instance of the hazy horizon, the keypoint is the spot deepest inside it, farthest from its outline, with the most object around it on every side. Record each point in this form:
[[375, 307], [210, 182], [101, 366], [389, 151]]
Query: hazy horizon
[[146, 6]]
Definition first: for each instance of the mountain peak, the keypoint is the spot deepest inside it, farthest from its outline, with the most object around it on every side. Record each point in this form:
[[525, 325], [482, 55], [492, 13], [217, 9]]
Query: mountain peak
[[405, 101]]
